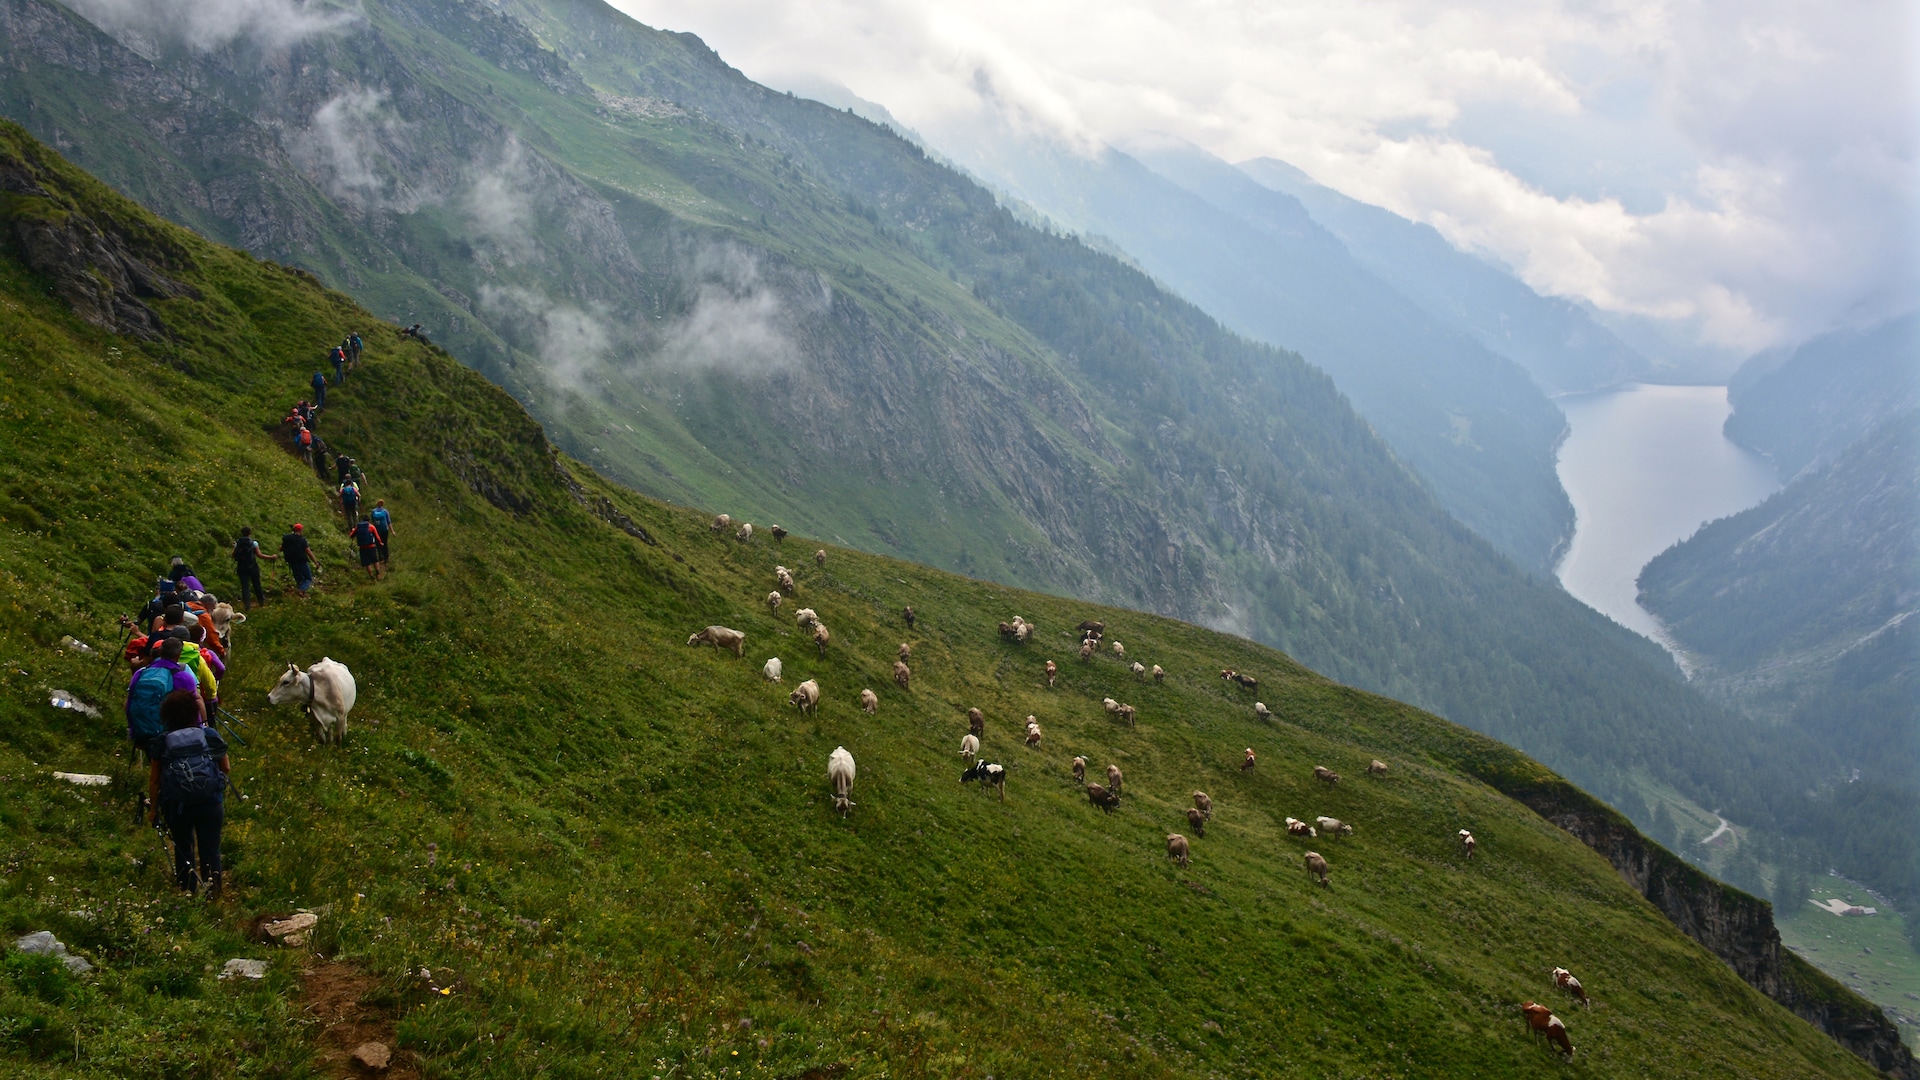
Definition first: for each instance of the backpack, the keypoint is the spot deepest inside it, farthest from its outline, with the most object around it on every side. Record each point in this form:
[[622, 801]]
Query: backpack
[[190, 776], [306, 439], [150, 687]]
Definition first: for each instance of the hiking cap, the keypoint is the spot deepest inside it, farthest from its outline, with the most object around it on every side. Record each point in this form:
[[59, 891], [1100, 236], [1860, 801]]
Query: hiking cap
[[297, 527]]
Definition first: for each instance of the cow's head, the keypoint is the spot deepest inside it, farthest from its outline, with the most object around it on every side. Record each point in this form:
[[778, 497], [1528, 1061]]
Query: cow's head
[[288, 687]]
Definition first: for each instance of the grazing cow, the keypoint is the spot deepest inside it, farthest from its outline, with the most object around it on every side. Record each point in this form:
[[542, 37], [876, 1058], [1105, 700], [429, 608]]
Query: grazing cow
[[1092, 628], [771, 670], [1317, 866], [969, 746], [1325, 775], [907, 614], [1086, 650], [1376, 767], [1247, 681], [1541, 1021], [806, 697], [906, 652], [773, 602], [779, 534], [820, 558], [1467, 842], [721, 524], [1296, 827], [1139, 669], [805, 618], [1159, 674], [1203, 803], [721, 638], [1006, 629], [1199, 822], [821, 636], [869, 702], [1052, 673], [746, 532], [1177, 849], [1260, 710], [1102, 798], [989, 775], [1119, 649], [1126, 713], [1033, 732], [1113, 778], [1564, 979], [1246, 763], [840, 775], [1080, 770], [326, 690], [1112, 706], [902, 674], [1333, 826], [976, 722], [224, 620], [784, 578]]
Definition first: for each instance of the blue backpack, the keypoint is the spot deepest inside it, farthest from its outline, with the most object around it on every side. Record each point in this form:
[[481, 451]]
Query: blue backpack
[[150, 687], [190, 776]]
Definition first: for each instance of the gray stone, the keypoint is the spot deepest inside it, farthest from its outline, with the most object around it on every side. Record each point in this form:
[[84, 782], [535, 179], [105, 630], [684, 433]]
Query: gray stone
[[43, 943]]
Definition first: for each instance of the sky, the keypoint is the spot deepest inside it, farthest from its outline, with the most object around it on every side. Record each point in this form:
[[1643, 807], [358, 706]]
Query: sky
[[1742, 171]]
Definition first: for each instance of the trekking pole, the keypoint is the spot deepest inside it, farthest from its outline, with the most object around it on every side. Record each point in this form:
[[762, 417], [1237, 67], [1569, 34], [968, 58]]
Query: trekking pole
[[230, 733], [222, 710], [231, 784]]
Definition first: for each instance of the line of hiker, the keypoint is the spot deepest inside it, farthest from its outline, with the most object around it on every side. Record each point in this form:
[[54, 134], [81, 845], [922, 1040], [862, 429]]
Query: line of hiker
[[371, 532]]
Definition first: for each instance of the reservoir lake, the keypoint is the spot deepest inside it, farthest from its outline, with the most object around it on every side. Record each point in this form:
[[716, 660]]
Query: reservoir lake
[[1645, 466]]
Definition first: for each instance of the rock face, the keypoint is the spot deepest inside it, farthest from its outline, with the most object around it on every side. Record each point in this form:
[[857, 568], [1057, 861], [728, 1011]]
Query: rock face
[[1734, 926]]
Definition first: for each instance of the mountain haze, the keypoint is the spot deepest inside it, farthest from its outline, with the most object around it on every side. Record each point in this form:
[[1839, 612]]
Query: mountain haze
[[1803, 406]]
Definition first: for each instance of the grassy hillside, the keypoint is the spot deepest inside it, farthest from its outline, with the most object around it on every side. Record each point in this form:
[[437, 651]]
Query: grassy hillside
[[562, 843]]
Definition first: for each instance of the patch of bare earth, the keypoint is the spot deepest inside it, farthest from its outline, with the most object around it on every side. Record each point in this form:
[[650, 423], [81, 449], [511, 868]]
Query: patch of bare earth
[[336, 995]]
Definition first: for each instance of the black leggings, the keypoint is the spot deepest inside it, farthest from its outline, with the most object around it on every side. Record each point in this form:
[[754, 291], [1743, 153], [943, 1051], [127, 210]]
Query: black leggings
[[250, 579], [190, 823]]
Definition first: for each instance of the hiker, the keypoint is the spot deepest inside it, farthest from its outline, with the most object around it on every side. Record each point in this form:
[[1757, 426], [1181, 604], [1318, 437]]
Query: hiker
[[355, 473], [160, 676], [187, 782], [342, 468], [350, 502], [299, 556], [367, 539], [320, 460], [163, 595], [305, 409], [178, 570], [304, 438], [246, 564], [382, 522], [319, 382], [354, 347]]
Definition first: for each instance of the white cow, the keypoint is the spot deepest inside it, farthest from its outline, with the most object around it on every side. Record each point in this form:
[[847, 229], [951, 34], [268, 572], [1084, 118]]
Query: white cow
[[840, 775], [224, 620], [771, 670], [326, 690]]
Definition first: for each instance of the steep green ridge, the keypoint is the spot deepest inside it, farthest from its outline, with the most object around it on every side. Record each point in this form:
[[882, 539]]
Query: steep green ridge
[[1802, 407], [560, 842], [592, 210], [1800, 612]]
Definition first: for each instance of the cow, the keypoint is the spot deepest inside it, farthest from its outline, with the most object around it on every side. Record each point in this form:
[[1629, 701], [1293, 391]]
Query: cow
[[976, 721], [1541, 1021], [989, 775], [1033, 732], [1467, 842], [327, 692], [1247, 681], [1564, 979], [969, 747], [1052, 673], [720, 524], [1203, 803], [821, 636], [1177, 849], [1091, 628], [902, 674], [1333, 826], [805, 618], [906, 652], [773, 602], [1325, 775], [908, 615], [1376, 767], [1199, 822], [771, 670], [1246, 763], [1113, 778], [1159, 675], [721, 637], [806, 697], [1086, 650], [1126, 714], [1139, 669], [820, 558], [1317, 866], [1296, 827], [1080, 770], [1260, 710], [1102, 798], [779, 534], [869, 702], [746, 532], [224, 620], [840, 775]]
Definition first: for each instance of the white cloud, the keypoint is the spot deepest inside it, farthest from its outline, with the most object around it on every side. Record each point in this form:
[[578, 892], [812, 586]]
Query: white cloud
[[340, 146], [737, 322], [211, 24], [573, 343], [1744, 167]]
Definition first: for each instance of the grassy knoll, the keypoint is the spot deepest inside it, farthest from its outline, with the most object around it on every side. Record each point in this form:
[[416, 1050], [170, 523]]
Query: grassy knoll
[[561, 843], [1871, 955]]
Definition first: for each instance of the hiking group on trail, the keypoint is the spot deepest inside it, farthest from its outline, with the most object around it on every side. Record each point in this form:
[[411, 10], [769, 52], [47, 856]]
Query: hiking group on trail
[[178, 642]]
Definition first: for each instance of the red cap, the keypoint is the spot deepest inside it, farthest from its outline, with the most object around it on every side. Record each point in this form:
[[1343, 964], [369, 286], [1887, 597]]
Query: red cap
[[297, 527]]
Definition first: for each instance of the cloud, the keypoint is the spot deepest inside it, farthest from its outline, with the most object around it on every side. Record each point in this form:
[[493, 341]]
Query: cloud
[[1746, 169], [737, 323], [499, 209], [341, 145], [143, 25], [572, 343]]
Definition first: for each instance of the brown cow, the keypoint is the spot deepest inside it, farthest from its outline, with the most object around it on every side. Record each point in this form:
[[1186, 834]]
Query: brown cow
[[1203, 803], [869, 702], [1467, 842], [720, 637], [1080, 770], [1246, 764], [1091, 628], [1541, 1020], [1564, 979], [1199, 822], [820, 637], [1033, 732], [1376, 767], [1317, 866], [779, 533], [1102, 798], [1052, 673], [1086, 649], [1296, 827], [1177, 849], [1125, 712], [1113, 778], [976, 722], [907, 614], [902, 674], [906, 652], [820, 558], [1325, 775]]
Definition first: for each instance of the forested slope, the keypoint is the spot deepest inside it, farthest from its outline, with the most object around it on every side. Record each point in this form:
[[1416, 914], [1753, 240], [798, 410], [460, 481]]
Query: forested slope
[[561, 842], [727, 296]]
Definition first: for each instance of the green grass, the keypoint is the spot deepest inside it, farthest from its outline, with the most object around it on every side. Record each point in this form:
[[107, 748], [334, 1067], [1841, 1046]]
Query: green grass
[[1888, 976], [612, 848]]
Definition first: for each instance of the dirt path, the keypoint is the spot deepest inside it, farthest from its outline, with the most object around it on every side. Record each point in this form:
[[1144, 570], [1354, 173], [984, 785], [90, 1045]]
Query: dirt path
[[335, 995]]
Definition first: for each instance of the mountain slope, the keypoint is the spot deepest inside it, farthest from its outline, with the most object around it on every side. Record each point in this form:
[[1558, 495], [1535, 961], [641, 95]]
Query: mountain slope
[[1468, 421], [561, 841], [1559, 344], [1800, 611], [1802, 407], [729, 296]]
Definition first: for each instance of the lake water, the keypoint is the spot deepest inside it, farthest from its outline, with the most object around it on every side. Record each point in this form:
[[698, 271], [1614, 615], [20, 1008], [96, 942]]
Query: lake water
[[1645, 466]]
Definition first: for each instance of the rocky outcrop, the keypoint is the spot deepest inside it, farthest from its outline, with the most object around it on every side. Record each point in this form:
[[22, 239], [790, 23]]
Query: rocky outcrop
[[1734, 926]]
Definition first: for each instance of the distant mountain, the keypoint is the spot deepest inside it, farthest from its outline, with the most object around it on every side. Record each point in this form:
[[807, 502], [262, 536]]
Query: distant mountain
[[1557, 341], [1803, 406], [1802, 611]]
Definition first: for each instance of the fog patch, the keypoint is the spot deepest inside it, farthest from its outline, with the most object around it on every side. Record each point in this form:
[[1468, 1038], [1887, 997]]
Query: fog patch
[[739, 322], [572, 343], [498, 208], [146, 26], [340, 146]]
